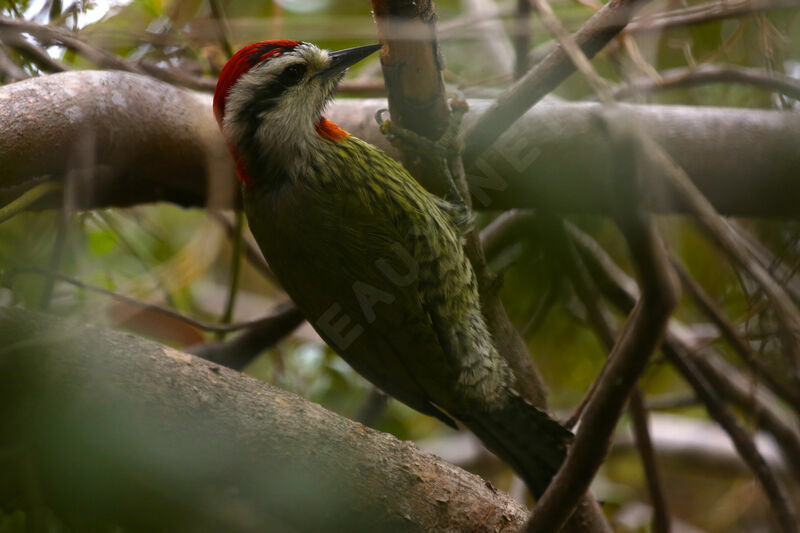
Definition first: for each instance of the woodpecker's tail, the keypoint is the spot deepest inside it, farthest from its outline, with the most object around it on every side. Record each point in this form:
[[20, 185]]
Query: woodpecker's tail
[[531, 442]]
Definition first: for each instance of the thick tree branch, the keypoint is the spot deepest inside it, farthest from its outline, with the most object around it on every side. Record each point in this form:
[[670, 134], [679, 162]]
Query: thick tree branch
[[135, 433], [154, 142]]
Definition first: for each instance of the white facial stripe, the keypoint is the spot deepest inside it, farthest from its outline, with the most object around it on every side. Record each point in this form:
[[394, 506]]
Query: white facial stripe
[[314, 57], [285, 130]]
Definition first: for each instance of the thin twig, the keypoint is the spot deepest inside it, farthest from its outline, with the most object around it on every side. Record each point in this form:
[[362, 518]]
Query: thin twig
[[540, 313], [62, 221], [768, 259], [623, 293], [372, 407], [522, 37], [236, 269], [27, 199], [222, 26], [671, 401], [706, 12], [96, 55], [776, 492], [570, 46], [497, 51], [32, 52], [618, 289], [726, 238], [258, 336], [737, 389], [176, 76], [199, 324], [705, 74], [545, 76], [10, 71], [362, 87], [251, 250], [601, 322], [748, 356], [641, 432]]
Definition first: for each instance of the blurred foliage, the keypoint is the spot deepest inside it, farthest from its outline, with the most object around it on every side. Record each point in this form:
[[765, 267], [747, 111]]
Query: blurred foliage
[[181, 258]]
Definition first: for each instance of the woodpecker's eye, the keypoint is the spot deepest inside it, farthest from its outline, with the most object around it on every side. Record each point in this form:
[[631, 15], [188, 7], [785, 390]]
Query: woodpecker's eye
[[292, 75]]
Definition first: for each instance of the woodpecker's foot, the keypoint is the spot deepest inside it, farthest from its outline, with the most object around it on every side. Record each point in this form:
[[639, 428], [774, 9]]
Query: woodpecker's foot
[[407, 140], [458, 108], [443, 151]]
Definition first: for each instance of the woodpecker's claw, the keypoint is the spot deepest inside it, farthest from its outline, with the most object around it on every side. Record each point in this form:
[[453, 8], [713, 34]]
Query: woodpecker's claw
[[379, 115], [458, 102]]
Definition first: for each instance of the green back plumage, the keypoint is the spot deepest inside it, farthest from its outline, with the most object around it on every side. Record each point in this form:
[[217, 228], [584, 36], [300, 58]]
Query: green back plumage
[[377, 265]]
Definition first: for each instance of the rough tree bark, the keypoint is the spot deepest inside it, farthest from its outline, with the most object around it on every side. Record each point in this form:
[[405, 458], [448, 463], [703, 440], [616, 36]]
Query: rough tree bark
[[106, 425]]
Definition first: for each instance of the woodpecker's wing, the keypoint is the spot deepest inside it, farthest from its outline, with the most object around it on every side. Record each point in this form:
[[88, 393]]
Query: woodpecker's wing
[[347, 264]]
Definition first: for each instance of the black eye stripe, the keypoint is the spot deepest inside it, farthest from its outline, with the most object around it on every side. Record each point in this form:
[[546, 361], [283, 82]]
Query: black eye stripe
[[292, 75]]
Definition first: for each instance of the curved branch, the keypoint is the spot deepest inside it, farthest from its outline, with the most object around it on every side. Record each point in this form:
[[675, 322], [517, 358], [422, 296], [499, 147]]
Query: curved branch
[[138, 434], [154, 142]]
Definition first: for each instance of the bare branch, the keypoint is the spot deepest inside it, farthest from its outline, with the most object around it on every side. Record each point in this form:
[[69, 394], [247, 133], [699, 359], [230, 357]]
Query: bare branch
[[10, 71], [154, 142], [644, 443], [706, 12], [601, 322], [725, 236], [612, 278], [138, 304], [522, 37], [151, 438], [705, 74], [774, 488], [545, 76], [573, 50], [96, 55], [34, 53], [629, 357], [258, 336], [704, 302], [623, 293]]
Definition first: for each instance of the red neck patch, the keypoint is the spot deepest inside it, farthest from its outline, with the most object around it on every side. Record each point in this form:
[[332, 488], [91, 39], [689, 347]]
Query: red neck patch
[[329, 130], [241, 173]]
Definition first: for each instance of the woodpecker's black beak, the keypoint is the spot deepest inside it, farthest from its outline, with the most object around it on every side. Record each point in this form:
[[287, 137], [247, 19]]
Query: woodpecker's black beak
[[344, 59]]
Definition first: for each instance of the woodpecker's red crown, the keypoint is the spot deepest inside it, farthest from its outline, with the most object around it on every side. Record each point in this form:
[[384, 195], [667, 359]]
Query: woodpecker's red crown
[[241, 62], [269, 101]]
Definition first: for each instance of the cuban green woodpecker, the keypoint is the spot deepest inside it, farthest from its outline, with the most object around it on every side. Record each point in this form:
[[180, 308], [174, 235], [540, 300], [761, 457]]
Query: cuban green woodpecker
[[374, 261]]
